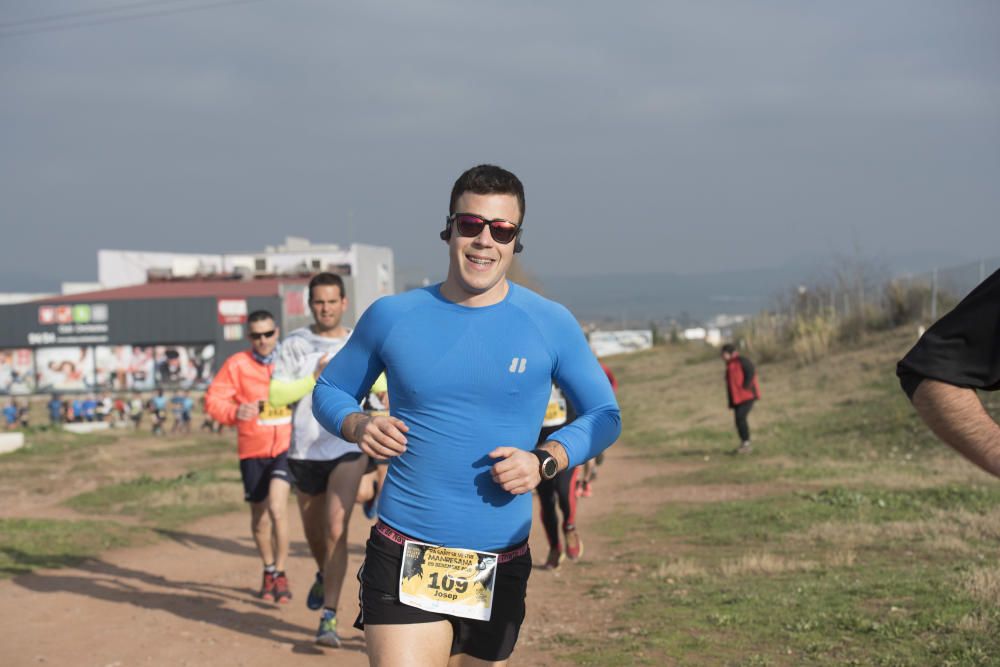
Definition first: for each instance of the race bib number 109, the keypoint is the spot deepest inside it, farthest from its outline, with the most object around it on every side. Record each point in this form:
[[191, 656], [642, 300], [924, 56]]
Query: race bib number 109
[[458, 582]]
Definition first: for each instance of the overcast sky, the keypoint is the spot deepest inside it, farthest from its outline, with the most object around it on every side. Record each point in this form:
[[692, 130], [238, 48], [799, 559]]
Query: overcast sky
[[651, 136]]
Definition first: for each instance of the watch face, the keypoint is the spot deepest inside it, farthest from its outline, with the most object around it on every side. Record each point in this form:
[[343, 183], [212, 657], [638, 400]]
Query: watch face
[[549, 468]]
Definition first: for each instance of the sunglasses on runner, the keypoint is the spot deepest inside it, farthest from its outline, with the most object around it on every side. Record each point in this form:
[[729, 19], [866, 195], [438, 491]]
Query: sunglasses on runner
[[262, 334], [471, 225]]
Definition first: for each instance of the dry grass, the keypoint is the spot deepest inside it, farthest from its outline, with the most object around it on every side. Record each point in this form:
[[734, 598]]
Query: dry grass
[[764, 563], [983, 584], [681, 568], [955, 532], [201, 494]]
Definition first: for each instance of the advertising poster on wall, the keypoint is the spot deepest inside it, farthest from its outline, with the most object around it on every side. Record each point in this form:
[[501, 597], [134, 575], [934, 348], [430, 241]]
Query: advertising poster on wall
[[65, 368], [125, 368], [184, 366], [17, 373]]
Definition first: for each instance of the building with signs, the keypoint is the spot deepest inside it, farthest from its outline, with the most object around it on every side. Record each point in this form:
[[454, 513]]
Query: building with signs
[[167, 320]]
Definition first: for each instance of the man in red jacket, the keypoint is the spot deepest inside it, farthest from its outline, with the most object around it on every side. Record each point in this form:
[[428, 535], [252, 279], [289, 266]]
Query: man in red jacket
[[743, 390], [238, 396]]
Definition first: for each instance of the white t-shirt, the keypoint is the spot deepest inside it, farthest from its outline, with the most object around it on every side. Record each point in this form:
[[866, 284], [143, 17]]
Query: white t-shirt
[[299, 354]]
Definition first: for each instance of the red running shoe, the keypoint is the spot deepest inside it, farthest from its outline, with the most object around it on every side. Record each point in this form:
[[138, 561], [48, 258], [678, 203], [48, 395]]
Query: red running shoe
[[267, 587], [281, 592], [574, 545]]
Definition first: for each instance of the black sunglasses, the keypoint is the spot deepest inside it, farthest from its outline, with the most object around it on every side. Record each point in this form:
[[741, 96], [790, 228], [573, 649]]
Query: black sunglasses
[[262, 334], [471, 225]]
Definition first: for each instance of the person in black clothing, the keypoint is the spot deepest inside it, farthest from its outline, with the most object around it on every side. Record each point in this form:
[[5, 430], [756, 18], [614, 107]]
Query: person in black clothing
[[560, 490], [742, 390], [959, 354]]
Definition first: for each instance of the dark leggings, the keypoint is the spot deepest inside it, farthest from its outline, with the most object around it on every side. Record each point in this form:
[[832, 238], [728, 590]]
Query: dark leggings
[[742, 427], [562, 488]]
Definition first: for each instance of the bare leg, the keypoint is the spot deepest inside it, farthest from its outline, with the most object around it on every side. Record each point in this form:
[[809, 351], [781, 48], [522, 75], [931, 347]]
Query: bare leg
[[341, 490], [260, 526], [312, 509], [277, 508], [413, 645]]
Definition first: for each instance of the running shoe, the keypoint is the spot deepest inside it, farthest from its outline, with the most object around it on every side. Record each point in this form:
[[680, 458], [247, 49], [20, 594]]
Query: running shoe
[[315, 598], [281, 592], [574, 545], [267, 587], [554, 560], [744, 448], [327, 633]]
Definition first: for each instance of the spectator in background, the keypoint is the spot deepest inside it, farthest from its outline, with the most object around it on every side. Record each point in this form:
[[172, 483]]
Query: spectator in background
[[24, 414], [742, 390], [158, 411], [90, 408], [958, 355], [135, 410], [10, 415], [56, 410], [187, 407]]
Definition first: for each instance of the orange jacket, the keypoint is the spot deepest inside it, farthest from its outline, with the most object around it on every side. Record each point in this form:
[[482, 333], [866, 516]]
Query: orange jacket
[[243, 380]]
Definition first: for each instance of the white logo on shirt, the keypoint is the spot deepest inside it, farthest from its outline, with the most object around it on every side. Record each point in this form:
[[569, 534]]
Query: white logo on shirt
[[517, 365]]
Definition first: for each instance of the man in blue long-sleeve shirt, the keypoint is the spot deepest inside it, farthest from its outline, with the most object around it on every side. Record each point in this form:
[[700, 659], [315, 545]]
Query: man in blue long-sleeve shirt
[[470, 363]]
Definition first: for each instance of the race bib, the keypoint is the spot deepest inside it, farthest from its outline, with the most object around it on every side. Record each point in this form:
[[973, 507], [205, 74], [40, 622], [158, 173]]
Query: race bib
[[270, 415], [457, 582], [555, 413]]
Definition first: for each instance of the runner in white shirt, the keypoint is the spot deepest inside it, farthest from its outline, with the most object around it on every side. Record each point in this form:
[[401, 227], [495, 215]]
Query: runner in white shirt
[[326, 468]]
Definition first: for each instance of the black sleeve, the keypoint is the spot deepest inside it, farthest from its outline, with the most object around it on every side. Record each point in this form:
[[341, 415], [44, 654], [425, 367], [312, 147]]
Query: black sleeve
[[748, 371], [963, 347]]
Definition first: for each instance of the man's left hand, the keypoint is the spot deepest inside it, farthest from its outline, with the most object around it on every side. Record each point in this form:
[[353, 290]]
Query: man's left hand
[[517, 470]]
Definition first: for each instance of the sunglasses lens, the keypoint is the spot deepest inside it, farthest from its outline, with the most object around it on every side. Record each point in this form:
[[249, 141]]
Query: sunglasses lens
[[469, 225], [503, 232]]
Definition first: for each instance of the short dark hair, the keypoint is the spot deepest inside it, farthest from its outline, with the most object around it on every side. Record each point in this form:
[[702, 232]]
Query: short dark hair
[[487, 179], [728, 347], [260, 315], [326, 278]]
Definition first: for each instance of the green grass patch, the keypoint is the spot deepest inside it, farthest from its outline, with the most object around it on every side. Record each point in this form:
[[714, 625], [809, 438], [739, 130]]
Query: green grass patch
[[201, 447], [28, 544], [909, 615], [752, 470], [58, 443], [169, 502], [764, 520]]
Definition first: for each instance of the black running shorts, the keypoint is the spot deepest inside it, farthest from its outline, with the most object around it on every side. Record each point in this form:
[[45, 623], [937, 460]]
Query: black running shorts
[[311, 477], [257, 475], [487, 640]]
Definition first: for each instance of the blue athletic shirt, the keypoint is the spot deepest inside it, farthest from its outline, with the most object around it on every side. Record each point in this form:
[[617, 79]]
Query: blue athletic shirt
[[465, 381]]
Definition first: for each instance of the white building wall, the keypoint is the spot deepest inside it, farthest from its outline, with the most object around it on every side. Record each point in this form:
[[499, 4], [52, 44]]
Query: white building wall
[[374, 273]]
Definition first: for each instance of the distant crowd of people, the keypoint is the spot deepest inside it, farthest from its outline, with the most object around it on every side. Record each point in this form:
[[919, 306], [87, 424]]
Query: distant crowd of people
[[173, 414]]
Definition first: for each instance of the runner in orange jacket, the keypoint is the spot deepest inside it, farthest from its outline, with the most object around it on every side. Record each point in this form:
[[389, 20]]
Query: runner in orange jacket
[[238, 395]]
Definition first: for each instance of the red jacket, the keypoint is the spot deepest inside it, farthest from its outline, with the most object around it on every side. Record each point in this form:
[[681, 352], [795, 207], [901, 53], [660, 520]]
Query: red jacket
[[741, 381], [243, 380]]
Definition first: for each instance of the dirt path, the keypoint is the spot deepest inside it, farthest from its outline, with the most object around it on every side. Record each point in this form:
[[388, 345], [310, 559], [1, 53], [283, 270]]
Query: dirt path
[[188, 599]]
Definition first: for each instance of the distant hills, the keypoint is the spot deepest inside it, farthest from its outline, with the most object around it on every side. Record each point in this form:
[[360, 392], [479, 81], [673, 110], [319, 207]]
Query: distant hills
[[665, 296]]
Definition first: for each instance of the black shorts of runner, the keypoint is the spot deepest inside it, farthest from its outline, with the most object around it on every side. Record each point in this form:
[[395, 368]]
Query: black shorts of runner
[[311, 477], [258, 473], [373, 464], [491, 640]]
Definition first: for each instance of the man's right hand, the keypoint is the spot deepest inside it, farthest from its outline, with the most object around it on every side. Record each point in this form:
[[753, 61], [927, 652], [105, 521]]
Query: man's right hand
[[247, 411], [379, 437]]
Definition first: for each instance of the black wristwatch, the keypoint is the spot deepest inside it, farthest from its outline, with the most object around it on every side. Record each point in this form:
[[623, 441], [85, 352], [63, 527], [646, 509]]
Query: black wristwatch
[[547, 464]]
